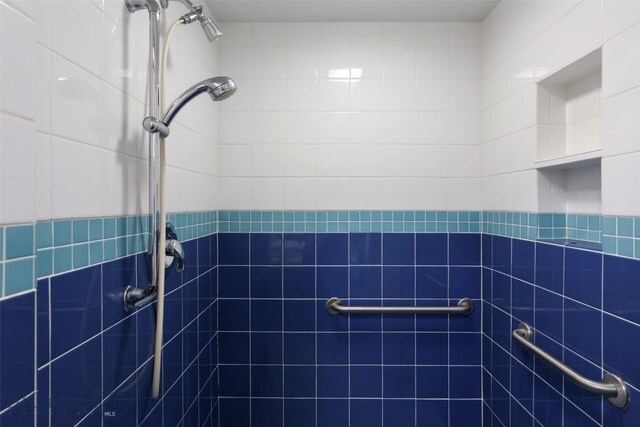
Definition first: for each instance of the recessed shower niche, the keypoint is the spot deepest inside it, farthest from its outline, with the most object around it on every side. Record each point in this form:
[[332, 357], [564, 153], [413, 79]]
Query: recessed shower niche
[[569, 143]]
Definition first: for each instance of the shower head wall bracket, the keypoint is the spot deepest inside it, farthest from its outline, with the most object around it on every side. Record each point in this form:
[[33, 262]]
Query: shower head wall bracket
[[153, 125]]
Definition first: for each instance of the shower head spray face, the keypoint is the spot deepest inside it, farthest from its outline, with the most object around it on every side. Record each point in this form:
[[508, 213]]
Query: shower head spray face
[[210, 28]]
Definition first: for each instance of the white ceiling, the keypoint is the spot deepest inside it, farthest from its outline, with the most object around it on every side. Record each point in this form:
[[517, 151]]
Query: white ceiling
[[351, 10]]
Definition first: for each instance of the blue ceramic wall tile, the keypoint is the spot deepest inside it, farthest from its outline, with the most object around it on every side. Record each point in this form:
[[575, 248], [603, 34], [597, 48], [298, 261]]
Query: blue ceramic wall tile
[[432, 249], [299, 282], [548, 313], [432, 382], [266, 282], [266, 249], [366, 381], [464, 249], [332, 282], [582, 330], [432, 348], [333, 249], [299, 315], [398, 282], [266, 348], [299, 348], [17, 342], [299, 249], [333, 381], [522, 301], [547, 404], [465, 282], [398, 249], [398, 382], [621, 344], [365, 282], [466, 412], [365, 348], [76, 383], [299, 381], [549, 267], [501, 254], [621, 295], [583, 276], [119, 353], [433, 413], [365, 248], [266, 315], [43, 322], [234, 249], [332, 412], [333, 348], [432, 282], [269, 411], [22, 414], [299, 412], [464, 349], [235, 412], [400, 412], [365, 413], [523, 260]]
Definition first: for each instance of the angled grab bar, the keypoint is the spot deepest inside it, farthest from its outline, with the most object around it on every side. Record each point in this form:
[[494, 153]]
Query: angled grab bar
[[611, 385], [464, 307]]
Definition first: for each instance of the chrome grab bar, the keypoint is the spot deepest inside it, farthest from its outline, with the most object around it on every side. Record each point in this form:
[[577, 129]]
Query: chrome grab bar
[[611, 385], [464, 307]]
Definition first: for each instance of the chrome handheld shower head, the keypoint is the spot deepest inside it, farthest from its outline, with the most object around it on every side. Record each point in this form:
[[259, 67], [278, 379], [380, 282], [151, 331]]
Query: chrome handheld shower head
[[218, 88]]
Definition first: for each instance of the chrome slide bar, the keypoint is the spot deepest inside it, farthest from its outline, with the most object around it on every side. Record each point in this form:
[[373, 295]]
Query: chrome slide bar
[[464, 307], [611, 385]]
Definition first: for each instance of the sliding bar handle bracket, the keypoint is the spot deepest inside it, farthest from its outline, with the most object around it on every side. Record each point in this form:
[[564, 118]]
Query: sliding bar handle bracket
[[334, 306], [611, 385]]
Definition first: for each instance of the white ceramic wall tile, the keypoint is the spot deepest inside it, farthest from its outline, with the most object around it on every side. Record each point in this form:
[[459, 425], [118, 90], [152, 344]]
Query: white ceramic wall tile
[[619, 15], [620, 124], [366, 95], [301, 95], [621, 63], [267, 193], [368, 104], [618, 174], [235, 160], [18, 64], [333, 193], [17, 169], [81, 73]]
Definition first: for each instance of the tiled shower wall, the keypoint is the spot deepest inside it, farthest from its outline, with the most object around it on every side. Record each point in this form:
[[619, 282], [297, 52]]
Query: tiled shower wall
[[73, 83], [284, 360], [582, 306], [378, 116]]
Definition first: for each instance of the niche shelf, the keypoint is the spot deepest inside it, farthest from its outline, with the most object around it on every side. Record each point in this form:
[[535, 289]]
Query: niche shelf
[[569, 146]]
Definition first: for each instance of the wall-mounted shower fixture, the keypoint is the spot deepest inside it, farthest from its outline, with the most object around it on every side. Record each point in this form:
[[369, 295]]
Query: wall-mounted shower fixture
[[218, 88], [209, 25], [168, 249]]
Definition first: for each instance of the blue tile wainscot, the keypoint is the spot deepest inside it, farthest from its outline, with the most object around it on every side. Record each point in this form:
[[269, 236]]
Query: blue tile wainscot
[[248, 340]]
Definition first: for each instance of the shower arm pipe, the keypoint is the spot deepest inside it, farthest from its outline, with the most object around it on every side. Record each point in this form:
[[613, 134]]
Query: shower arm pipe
[[137, 297]]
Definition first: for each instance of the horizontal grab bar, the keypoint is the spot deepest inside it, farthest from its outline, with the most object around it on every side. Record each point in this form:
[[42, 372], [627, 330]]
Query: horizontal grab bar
[[464, 307], [611, 385]]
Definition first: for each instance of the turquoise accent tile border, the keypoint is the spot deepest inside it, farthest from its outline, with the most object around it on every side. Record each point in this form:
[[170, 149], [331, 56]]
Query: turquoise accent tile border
[[19, 275], [349, 221], [44, 234], [18, 241], [61, 232], [80, 230], [64, 245], [96, 229]]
